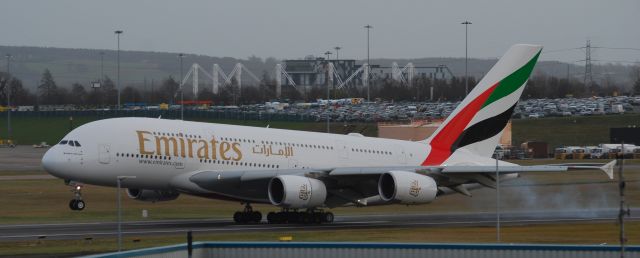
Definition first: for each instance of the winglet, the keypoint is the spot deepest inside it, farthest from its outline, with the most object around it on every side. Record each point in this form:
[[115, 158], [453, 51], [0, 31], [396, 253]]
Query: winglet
[[608, 168]]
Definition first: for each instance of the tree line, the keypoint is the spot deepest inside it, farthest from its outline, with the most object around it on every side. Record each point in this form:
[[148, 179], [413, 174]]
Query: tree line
[[422, 88]]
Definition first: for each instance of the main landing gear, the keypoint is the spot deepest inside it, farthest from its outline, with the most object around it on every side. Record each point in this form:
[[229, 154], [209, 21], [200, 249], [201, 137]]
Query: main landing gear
[[76, 204], [286, 216], [310, 216], [247, 215]]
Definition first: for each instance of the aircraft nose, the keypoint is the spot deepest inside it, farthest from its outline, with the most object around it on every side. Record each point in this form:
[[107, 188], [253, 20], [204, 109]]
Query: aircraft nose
[[51, 162]]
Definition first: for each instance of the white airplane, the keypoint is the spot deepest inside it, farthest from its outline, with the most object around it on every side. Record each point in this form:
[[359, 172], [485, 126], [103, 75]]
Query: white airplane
[[296, 170]]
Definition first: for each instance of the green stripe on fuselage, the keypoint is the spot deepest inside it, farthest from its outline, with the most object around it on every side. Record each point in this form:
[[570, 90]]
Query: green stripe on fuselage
[[512, 82]]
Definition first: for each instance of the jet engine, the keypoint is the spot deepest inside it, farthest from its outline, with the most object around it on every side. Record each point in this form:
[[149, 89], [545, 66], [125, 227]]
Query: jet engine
[[407, 187], [152, 195], [297, 192]]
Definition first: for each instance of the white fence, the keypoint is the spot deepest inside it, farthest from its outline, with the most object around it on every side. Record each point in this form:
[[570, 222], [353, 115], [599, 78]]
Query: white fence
[[339, 250]]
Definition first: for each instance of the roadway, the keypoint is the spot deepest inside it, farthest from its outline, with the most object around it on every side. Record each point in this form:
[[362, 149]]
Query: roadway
[[369, 221]]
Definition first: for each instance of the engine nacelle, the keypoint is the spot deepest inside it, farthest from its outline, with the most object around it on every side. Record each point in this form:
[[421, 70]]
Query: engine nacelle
[[297, 192], [152, 195], [407, 187]]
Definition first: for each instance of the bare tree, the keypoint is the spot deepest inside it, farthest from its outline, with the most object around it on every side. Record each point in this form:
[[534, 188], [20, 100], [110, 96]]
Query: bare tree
[[48, 88], [78, 94]]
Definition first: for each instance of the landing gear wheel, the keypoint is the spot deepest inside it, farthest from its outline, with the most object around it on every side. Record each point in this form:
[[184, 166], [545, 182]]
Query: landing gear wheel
[[72, 204], [310, 216], [306, 217], [294, 217], [272, 217], [247, 215], [76, 204], [237, 217], [80, 205], [328, 217], [317, 218], [256, 216]]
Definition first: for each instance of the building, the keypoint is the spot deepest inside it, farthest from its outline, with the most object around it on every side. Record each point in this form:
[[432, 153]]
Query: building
[[317, 71], [313, 71]]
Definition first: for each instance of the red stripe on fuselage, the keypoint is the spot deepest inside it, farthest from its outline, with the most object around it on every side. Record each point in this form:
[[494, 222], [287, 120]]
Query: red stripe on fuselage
[[441, 143]]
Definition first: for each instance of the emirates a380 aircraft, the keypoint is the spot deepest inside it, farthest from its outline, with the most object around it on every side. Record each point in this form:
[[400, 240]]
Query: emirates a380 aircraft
[[299, 170]]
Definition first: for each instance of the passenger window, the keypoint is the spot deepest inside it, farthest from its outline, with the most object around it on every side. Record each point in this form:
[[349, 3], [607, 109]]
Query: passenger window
[[63, 142], [77, 143]]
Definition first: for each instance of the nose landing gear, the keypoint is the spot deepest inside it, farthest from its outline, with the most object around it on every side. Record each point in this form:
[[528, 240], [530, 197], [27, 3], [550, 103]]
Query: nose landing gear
[[77, 204]]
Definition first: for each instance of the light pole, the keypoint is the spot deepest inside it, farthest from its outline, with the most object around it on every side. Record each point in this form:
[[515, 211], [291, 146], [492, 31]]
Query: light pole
[[101, 80], [101, 67], [337, 50], [119, 182], [328, 53], [622, 212], [8, 97], [466, 56], [181, 91], [118, 32], [497, 202], [368, 27]]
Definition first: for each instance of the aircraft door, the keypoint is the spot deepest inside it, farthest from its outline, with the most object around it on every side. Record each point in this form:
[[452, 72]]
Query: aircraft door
[[401, 154], [293, 163], [341, 149], [178, 162], [77, 155], [104, 153]]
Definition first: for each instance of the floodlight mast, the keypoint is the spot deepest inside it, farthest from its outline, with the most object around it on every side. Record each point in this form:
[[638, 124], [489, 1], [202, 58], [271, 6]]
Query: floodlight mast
[[118, 32], [119, 180], [180, 56], [368, 27], [466, 56], [8, 86]]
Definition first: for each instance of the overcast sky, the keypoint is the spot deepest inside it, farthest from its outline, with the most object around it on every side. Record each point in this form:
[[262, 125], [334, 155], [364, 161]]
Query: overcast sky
[[295, 28]]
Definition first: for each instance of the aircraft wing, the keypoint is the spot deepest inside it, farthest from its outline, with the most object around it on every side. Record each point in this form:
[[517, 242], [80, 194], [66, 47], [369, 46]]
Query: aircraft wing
[[250, 185], [606, 168], [356, 184]]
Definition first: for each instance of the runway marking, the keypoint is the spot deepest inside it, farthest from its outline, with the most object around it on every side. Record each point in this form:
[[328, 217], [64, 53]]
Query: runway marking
[[366, 222], [341, 219], [27, 177], [314, 227], [131, 223]]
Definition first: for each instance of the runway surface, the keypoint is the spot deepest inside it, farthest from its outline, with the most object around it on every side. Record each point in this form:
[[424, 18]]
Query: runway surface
[[26, 158], [21, 158], [179, 227]]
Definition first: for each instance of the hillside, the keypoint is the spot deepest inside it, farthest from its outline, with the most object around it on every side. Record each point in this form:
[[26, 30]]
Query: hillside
[[83, 65]]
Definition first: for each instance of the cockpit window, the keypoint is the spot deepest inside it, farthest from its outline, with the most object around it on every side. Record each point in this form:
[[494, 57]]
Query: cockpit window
[[70, 143]]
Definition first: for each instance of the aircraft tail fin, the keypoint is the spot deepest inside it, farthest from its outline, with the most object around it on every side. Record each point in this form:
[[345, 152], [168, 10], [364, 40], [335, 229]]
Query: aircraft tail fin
[[477, 123]]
